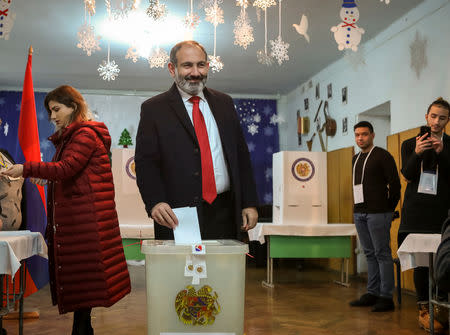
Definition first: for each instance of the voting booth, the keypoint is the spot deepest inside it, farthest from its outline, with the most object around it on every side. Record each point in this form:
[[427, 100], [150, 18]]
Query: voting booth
[[189, 293], [299, 187]]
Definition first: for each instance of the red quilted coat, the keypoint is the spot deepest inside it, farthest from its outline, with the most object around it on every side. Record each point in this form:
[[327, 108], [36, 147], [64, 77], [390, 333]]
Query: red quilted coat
[[86, 260]]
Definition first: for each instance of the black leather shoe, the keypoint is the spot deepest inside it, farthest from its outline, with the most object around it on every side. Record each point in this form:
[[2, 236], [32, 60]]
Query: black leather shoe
[[365, 300], [383, 305]]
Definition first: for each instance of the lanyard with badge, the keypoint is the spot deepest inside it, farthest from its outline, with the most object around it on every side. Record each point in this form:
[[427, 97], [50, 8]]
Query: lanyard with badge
[[358, 194], [428, 181]]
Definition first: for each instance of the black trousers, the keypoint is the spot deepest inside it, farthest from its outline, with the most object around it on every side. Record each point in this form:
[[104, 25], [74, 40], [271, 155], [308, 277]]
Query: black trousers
[[82, 322], [217, 220]]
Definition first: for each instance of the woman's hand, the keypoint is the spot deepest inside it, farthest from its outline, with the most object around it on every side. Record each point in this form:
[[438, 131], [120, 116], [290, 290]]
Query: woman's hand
[[14, 171]]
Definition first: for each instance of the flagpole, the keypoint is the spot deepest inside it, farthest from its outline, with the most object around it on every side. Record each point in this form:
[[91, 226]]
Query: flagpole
[[30, 50]]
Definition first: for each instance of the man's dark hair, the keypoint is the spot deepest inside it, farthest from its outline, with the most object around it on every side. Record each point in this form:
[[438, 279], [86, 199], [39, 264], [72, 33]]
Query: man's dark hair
[[364, 124], [441, 102], [179, 45]]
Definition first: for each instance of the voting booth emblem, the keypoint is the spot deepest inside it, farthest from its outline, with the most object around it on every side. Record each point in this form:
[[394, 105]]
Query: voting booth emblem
[[303, 169], [130, 168]]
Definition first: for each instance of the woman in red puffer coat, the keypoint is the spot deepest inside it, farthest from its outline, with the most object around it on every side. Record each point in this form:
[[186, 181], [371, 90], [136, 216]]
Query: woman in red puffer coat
[[86, 260]]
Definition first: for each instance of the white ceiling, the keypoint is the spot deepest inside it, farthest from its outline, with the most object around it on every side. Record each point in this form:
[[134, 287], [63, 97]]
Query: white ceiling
[[51, 27]]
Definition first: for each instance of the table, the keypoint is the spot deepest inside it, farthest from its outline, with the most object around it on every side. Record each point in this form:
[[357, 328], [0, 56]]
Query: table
[[418, 250], [15, 247], [305, 241]]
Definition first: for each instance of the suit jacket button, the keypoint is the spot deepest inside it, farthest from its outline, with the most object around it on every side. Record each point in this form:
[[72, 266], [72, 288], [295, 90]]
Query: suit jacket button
[[196, 198], [196, 150], [196, 173]]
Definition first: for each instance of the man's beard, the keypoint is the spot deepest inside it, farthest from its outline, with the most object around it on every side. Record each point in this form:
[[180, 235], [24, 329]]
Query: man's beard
[[188, 87]]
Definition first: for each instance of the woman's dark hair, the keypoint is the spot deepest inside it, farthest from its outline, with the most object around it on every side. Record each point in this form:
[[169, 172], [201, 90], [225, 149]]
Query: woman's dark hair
[[70, 97]]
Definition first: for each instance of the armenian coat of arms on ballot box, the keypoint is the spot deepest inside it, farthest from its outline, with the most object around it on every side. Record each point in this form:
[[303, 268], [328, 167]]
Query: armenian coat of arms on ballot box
[[303, 169], [197, 307], [130, 168]]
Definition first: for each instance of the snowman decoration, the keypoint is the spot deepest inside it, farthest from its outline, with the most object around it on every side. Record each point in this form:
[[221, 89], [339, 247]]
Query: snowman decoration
[[6, 19], [347, 34]]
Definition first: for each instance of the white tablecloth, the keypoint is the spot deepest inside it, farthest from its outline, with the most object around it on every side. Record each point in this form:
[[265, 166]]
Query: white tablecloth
[[415, 250], [18, 245], [137, 230], [332, 229]]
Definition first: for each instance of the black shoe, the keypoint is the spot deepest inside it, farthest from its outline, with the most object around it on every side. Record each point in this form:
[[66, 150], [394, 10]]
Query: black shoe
[[365, 300], [383, 305]]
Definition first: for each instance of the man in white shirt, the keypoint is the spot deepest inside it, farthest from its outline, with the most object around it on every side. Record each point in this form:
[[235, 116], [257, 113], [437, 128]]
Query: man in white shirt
[[190, 151]]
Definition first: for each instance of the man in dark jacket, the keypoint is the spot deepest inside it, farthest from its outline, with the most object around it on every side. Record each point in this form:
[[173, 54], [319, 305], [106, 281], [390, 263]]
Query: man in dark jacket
[[376, 191], [190, 151], [426, 167]]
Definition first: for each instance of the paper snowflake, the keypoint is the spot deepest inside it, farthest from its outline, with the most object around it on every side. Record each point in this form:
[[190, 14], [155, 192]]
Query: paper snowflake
[[6, 128], [275, 118], [243, 31], [191, 21], [279, 50], [120, 8], [251, 146], [87, 39], [417, 50], [242, 3], [257, 118], [386, 1], [108, 70], [268, 173], [355, 58], [90, 6], [156, 10], [209, 3], [214, 14], [132, 54], [268, 198], [215, 63], [264, 4], [158, 59], [252, 129], [264, 58]]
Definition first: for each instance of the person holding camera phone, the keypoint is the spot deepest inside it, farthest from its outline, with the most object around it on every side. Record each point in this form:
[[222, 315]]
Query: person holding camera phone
[[426, 168]]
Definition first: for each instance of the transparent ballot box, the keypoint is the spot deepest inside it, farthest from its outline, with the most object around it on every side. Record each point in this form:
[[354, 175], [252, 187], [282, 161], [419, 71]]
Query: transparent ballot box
[[190, 293]]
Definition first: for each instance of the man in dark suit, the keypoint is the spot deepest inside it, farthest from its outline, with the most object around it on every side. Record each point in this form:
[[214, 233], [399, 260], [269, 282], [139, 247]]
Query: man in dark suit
[[190, 151]]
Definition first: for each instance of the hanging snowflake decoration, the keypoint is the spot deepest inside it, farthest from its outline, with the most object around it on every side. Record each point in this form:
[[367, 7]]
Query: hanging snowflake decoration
[[90, 6], [418, 50], [279, 50], [120, 8], [243, 31], [132, 54], [209, 3], [386, 1], [215, 63], [87, 39], [191, 21], [158, 59], [257, 118], [252, 129], [242, 3], [156, 10], [264, 4], [108, 70], [214, 14], [264, 58], [355, 58]]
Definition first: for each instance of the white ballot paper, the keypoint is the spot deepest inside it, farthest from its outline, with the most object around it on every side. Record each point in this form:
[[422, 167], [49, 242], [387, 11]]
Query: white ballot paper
[[188, 230]]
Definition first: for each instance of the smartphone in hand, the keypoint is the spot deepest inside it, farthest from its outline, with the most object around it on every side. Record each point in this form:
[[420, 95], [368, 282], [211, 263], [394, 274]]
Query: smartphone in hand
[[425, 130]]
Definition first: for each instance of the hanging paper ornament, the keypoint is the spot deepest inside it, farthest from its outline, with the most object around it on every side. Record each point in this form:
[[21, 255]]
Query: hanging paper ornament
[[214, 14], [215, 63], [386, 1], [279, 47], [87, 40], [132, 54], [302, 28], [191, 20], [418, 54], [120, 9], [347, 34], [264, 4], [90, 6], [156, 10], [108, 70], [242, 3], [262, 55], [158, 59], [7, 18], [243, 31], [209, 3]]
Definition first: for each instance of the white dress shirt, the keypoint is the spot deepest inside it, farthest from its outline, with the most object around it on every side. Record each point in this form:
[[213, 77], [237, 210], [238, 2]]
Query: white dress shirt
[[220, 168]]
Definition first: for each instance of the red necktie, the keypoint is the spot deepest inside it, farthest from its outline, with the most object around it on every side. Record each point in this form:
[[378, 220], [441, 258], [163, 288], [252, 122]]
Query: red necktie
[[209, 190]]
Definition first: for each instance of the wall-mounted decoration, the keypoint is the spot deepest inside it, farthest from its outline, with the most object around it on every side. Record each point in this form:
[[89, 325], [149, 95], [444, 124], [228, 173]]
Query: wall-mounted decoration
[[344, 95], [344, 126], [299, 128], [310, 84], [329, 91], [317, 91], [306, 101]]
